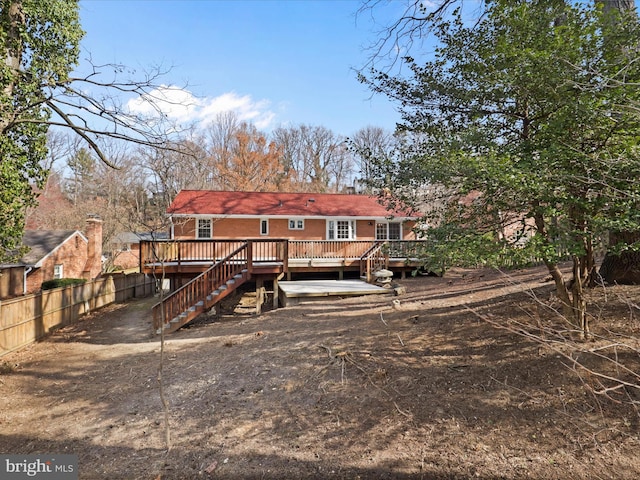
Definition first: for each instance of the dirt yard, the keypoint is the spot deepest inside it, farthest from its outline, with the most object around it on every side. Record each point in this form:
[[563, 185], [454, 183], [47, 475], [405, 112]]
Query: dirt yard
[[356, 388]]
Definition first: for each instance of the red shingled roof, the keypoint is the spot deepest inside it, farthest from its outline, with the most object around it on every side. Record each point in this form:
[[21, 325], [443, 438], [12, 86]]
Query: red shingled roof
[[210, 202]]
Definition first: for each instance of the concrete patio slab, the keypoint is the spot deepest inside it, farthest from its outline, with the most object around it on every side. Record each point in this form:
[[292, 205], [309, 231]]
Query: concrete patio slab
[[293, 292]]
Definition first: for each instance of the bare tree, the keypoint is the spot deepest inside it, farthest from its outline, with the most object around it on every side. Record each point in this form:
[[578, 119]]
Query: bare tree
[[367, 144], [220, 136], [409, 31], [317, 157], [171, 170], [289, 141]]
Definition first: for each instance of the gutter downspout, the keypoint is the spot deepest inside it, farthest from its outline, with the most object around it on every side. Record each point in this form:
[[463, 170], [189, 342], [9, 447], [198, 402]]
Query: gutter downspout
[[27, 271]]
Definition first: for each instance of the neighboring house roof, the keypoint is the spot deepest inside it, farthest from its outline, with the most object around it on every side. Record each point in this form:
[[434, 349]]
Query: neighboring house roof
[[133, 237], [278, 204], [44, 242], [12, 265]]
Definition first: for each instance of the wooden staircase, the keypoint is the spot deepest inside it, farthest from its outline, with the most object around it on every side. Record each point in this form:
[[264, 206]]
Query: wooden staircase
[[372, 260], [203, 292]]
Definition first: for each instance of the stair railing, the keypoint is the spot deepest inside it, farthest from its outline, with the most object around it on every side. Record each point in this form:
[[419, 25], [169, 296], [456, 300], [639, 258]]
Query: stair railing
[[375, 258], [198, 288]]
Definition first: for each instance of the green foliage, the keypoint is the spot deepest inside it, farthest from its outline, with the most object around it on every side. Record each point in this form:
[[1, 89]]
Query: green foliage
[[521, 132], [448, 246], [39, 44], [62, 282]]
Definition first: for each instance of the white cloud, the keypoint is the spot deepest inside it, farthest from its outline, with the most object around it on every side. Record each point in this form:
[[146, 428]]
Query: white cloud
[[182, 106]]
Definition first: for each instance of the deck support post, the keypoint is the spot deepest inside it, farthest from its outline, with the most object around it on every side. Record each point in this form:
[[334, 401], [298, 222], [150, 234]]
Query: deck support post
[[276, 289], [259, 294]]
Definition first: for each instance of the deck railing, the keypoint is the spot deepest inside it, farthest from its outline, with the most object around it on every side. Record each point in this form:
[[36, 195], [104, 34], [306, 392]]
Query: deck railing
[[265, 250], [408, 249], [335, 249], [190, 251], [351, 249]]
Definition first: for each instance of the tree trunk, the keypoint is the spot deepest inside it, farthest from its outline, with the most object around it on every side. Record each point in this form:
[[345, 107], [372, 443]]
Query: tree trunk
[[579, 307], [571, 295], [561, 288], [13, 19], [621, 5]]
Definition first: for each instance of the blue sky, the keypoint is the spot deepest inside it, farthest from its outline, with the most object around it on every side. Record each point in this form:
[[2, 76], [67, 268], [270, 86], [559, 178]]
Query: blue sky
[[286, 62]]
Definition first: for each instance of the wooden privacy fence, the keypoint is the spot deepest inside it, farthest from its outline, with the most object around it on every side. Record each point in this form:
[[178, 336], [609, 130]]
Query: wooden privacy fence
[[23, 320]]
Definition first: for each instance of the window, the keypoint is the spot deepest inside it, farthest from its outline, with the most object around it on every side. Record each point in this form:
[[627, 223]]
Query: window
[[296, 224], [204, 228], [58, 271], [341, 229], [389, 231], [395, 231], [264, 226]]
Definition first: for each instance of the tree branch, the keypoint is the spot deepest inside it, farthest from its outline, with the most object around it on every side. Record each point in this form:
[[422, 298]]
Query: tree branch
[[81, 133]]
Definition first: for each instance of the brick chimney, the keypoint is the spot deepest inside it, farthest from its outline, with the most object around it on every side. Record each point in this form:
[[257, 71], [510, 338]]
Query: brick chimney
[[93, 231]]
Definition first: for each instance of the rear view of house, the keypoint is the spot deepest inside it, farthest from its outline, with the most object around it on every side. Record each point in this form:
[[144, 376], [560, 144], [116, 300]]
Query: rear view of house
[[204, 214], [221, 239]]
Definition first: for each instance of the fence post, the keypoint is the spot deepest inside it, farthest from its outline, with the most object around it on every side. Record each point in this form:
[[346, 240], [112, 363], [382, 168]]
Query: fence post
[[143, 254]]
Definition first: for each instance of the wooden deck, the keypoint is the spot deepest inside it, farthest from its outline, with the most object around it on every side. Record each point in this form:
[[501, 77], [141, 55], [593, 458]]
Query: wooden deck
[[281, 255], [203, 272]]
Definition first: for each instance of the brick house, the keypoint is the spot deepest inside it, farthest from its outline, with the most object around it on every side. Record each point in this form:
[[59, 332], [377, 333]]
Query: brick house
[[207, 214], [125, 248], [62, 254], [222, 239]]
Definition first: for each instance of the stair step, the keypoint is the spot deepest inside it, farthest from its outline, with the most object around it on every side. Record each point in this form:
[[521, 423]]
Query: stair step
[[248, 302], [207, 302], [245, 310], [213, 294], [164, 327]]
